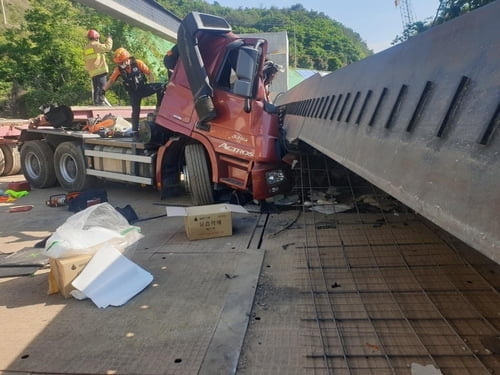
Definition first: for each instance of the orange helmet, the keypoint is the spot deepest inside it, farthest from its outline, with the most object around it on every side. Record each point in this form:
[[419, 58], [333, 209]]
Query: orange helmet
[[92, 34], [121, 54]]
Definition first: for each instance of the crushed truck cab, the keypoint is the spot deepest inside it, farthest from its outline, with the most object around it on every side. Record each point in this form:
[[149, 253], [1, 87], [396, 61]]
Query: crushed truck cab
[[216, 102], [214, 129]]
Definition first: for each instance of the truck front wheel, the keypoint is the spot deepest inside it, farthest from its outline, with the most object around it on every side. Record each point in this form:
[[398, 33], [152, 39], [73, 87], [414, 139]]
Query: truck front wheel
[[197, 175], [70, 169], [37, 160]]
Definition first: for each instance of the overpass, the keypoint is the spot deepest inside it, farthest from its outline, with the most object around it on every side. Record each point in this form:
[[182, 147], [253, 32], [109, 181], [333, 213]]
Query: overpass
[[144, 14]]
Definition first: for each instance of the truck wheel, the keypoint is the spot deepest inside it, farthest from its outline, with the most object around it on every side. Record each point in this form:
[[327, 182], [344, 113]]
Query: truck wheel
[[12, 159], [70, 168], [2, 162], [37, 160], [197, 176]]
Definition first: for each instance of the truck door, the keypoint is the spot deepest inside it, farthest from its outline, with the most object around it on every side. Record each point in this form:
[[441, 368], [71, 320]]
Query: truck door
[[235, 88]]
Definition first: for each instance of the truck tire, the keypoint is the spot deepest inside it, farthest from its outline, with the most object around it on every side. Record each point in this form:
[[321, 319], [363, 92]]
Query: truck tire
[[37, 160], [2, 162], [197, 175], [12, 159], [70, 167]]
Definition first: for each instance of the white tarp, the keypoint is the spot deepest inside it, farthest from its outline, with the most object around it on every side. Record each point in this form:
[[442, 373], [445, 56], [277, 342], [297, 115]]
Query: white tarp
[[110, 278]]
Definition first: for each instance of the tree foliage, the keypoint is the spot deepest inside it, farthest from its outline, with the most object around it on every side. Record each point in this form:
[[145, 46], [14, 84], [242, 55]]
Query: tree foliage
[[41, 59], [448, 9]]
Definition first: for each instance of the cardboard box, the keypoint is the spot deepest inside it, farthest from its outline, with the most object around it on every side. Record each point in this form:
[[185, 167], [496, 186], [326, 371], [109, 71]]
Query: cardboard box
[[63, 271], [210, 221]]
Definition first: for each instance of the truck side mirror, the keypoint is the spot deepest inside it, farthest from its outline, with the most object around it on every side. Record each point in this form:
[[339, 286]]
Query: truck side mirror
[[246, 68]]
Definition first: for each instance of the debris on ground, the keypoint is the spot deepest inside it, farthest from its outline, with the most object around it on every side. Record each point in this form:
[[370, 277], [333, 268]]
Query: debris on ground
[[330, 209], [89, 257], [382, 201], [21, 263]]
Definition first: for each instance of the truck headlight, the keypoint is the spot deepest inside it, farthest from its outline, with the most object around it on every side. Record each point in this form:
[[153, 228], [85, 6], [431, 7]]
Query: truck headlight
[[275, 177]]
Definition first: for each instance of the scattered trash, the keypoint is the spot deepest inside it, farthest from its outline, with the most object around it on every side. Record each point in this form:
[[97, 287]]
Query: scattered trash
[[329, 209], [89, 253], [86, 231], [383, 202]]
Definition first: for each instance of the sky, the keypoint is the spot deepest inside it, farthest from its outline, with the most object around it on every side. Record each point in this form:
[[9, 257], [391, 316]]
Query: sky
[[378, 22]]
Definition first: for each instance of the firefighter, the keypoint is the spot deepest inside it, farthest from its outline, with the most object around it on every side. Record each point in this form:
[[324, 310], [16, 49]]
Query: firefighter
[[170, 60], [135, 75], [96, 65]]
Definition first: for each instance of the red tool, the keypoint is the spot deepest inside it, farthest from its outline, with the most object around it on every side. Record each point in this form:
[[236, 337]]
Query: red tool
[[21, 208]]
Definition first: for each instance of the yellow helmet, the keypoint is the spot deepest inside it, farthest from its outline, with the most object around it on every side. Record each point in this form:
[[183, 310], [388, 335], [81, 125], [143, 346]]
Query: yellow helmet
[[121, 54]]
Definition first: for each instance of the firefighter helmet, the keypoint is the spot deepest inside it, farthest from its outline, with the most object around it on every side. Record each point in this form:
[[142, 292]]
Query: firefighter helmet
[[93, 34], [121, 54]]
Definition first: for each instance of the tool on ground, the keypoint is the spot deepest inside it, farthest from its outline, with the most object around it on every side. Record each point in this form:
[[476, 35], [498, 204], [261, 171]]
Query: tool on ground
[[21, 208], [57, 200]]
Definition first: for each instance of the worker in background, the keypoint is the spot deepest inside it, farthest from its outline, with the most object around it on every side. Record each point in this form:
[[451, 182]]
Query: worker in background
[[135, 75], [96, 65], [170, 60]]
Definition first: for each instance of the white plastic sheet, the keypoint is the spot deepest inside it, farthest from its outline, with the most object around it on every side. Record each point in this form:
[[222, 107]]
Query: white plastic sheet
[[87, 231], [110, 279]]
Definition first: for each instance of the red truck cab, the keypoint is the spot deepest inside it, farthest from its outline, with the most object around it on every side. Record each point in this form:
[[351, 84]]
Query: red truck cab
[[218, 116]]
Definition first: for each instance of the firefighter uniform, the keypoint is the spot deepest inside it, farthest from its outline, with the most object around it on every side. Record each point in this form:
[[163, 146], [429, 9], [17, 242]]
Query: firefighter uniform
[[95, 64]]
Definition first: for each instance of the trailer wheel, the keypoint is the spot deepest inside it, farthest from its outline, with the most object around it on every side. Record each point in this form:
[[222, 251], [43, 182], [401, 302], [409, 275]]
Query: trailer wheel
[[197, 175], [70, 168], [12, 159], [37, 159], [2, 162]]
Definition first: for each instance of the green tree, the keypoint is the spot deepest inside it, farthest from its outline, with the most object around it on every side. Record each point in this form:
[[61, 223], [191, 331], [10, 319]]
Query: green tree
[[448, 9], [42, 56], [42, 59]]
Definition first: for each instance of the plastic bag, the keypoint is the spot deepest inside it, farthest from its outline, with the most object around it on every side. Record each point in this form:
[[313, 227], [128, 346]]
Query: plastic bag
[[91, 229]]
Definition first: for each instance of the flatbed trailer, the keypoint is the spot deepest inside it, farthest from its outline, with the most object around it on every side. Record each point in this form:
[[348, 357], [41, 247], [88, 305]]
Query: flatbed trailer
[[75, 158]]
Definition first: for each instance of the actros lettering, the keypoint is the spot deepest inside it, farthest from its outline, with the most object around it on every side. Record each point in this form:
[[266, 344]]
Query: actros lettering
[[236, 150]]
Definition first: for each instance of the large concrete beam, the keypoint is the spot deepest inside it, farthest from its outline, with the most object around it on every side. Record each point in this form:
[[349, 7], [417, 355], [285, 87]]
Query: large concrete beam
[[419, 120], [144, 14]]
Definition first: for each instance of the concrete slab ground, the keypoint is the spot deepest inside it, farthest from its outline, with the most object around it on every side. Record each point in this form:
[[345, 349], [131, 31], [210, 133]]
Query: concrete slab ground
[[373, 290]]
